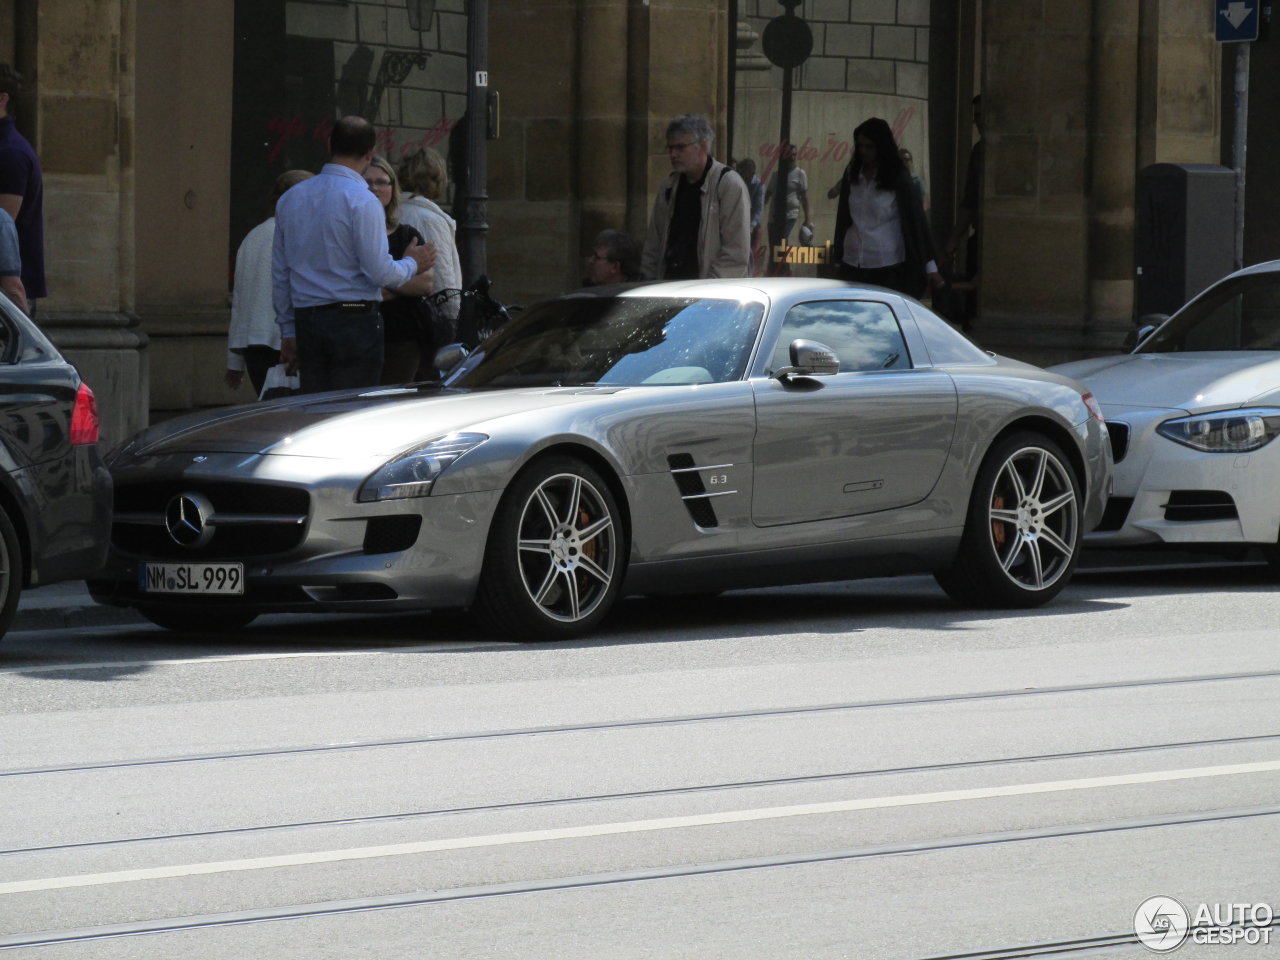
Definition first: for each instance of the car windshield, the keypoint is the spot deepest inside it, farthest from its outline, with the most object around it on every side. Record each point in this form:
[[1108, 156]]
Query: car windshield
[[1241, 315], [617, 341]]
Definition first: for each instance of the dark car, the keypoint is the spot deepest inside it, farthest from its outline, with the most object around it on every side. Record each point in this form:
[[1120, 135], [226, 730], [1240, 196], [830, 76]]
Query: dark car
[[55, 493], [674, 438]]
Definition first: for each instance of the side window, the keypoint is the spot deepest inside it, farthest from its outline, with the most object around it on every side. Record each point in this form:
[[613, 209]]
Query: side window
[[864, 334]]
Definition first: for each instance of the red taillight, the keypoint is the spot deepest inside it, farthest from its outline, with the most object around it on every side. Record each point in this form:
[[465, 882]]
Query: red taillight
[[1091, 402], [84, 417]]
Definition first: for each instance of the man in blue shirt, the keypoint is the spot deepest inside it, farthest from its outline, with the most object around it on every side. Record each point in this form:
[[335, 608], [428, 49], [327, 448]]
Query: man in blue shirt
[[21, 187], [11, 262], [329, 265]]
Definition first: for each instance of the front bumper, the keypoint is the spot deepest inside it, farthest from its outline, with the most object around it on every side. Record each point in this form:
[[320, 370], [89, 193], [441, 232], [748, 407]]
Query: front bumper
[[334, 565], [1168, 493]]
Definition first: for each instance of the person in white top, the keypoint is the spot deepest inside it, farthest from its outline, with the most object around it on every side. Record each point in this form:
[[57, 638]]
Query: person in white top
[[882, 236], [253, 341], [424, 177]]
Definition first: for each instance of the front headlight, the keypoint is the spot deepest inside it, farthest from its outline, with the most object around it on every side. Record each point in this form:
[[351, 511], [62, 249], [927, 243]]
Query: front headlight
[[1227, 431], [413, 472]]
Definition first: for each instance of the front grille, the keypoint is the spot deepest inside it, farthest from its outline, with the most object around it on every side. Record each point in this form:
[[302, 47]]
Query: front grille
[[1114, 516], [392, 534], [1118, 431], [225, 497], [690, 485], [1186, 505], [267, 525]]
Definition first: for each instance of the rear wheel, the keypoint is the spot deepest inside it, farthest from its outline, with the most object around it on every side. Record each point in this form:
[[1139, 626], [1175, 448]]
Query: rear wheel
[[10, 572], [197, 619], [555, 560], [1022, 533]]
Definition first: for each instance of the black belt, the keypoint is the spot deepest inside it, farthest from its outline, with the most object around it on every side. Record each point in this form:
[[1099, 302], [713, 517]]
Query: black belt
[[341, 306]]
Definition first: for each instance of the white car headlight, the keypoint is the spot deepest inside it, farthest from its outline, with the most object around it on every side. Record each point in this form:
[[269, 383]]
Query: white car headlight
[[1227, 431], [412, 473]]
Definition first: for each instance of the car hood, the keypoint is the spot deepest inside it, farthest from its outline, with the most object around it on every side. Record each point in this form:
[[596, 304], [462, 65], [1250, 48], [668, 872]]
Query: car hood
[[1186, 381], [349, 425]]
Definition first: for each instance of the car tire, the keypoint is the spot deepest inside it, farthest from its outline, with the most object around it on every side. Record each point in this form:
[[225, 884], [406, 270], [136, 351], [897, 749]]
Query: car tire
[[11, 572], [555, 557], [1022, 531], [198, 619]]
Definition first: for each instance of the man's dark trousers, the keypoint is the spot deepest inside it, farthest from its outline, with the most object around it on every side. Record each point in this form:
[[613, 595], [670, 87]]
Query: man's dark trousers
[[339, 346]]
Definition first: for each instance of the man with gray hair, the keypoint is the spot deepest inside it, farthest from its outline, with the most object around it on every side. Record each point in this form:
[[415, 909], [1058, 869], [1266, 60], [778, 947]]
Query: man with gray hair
[[701, 221]]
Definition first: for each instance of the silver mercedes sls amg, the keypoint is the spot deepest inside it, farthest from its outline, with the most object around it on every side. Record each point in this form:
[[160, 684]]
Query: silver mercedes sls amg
[[675, 438]]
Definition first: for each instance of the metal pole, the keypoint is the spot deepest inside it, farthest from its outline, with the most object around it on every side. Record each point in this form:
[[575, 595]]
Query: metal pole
[[1240, 143], [782, 174], [474, 229]]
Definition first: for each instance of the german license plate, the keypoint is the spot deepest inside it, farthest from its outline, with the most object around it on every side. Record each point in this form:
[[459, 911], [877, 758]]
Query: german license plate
[[209, 578]]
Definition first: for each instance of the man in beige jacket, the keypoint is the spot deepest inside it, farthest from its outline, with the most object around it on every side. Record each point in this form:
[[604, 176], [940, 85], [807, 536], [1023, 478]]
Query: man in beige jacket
[[701, 221]]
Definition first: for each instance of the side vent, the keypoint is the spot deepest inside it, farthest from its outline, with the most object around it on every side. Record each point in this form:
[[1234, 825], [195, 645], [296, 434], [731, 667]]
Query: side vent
[[692, 491]]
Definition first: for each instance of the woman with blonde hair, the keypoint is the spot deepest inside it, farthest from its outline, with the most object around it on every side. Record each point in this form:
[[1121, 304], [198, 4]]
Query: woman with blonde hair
[[426, 179], [405, 317]]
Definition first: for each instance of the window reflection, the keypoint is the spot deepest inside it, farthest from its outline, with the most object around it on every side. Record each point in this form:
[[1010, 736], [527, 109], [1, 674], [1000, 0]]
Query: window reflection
[[864, 334]]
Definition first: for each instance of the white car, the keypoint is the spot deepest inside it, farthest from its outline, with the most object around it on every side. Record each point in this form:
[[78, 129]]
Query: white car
[[1192, 413]]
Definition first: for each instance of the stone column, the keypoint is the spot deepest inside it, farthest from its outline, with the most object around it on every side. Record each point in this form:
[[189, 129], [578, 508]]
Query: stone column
[[1178, 85], [183, 55], [85, 111], [1113, 162], [1036, 102], [602, 119]]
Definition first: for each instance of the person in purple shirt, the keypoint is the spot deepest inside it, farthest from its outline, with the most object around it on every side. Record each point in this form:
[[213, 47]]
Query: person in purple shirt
[[21, 187], [329, 265]]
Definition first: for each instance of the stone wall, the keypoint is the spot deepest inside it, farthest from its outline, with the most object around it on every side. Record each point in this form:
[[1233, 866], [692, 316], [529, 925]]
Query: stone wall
[[582, 148], [1077, 99]]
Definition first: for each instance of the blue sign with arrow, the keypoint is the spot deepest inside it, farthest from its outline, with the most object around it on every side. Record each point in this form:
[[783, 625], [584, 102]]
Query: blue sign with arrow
[[1236, 20]]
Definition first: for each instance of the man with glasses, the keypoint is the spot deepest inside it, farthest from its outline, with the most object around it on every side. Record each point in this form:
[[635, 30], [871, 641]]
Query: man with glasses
[[329, 263], [615, 258], [701, 221]]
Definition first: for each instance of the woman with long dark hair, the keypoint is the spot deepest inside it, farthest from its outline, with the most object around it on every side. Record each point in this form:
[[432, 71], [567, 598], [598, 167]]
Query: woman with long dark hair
[[882, 236], [405, 317]]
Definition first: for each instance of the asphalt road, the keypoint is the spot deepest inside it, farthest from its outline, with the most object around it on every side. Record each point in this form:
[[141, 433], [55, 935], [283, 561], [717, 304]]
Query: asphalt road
[[847, 771]]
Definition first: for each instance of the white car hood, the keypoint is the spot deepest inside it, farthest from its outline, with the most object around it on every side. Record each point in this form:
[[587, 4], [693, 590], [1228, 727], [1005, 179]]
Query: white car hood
[[1183, 381]]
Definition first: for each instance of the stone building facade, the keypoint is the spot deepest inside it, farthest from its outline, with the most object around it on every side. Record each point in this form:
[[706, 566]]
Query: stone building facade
[[160, 124]]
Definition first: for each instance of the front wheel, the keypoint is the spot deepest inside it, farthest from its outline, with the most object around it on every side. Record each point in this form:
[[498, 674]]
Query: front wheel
[[1022, 532], [555, 559], [197, 619]]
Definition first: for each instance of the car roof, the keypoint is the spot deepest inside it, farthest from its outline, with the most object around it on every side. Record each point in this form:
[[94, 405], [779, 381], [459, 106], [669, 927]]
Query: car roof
[[773, 287]]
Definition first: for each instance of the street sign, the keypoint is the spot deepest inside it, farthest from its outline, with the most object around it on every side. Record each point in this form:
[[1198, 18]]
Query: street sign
[[1236, 20]]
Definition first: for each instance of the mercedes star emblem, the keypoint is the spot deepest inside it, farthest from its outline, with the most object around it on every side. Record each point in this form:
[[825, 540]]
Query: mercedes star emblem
[[187, 519]]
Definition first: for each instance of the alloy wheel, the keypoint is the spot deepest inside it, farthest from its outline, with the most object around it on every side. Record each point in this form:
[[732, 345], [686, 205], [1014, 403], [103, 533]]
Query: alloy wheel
[[567, 547], [1034, 515]]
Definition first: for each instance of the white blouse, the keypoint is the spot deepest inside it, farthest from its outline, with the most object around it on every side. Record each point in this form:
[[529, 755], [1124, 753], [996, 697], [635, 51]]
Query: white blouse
[[874, 239], [253, 316]]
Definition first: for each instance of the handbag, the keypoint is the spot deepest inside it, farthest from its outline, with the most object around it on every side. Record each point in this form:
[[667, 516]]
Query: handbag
[[279, 382]]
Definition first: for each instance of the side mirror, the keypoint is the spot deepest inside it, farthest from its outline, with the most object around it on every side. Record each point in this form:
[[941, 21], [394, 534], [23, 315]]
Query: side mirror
[[810, 359], [1143, 328], [448, 357]]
